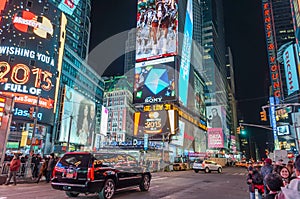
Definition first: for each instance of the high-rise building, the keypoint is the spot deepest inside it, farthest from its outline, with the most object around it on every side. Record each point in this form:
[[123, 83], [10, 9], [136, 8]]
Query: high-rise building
[[78, 27]]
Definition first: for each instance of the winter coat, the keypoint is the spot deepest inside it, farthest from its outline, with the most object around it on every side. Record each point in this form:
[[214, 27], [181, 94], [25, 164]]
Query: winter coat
[[14, 165]]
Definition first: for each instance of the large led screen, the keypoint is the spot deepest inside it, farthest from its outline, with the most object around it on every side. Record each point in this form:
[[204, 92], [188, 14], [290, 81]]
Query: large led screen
[[290, 67], [78, 119], [215, 138], [157, 29], [154, 81], [155, 123], [29, 33]]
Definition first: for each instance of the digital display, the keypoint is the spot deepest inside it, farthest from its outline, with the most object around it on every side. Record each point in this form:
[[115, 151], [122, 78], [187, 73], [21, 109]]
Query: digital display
[[157, 29], [29, 49], [68, 6], [283, 130], [154, 81], [155, 123]]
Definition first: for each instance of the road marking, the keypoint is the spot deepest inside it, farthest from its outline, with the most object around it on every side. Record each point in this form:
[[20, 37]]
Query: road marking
[[158, 178], [3, 197]]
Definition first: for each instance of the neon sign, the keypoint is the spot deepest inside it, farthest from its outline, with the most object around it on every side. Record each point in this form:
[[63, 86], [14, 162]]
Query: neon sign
[[274, 66]]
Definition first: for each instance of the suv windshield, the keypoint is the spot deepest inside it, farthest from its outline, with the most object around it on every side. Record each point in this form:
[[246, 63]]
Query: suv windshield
[[78, 160]]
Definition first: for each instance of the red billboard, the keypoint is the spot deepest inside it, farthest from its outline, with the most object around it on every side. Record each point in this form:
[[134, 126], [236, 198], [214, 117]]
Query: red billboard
[[157, 29]]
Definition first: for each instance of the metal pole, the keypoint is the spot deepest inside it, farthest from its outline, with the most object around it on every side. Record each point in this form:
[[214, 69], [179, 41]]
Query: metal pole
[[295, 129], [69, 135], [7, 130], [163, 151], [28, 169]]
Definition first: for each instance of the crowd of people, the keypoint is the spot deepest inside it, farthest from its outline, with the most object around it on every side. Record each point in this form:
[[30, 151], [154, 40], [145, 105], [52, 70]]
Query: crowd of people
[[39, 167], [275, 180]]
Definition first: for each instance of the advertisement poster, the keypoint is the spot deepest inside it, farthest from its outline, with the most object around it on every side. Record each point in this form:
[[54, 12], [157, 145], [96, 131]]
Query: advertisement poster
[[157, 29], [215, 138], [79, 115]]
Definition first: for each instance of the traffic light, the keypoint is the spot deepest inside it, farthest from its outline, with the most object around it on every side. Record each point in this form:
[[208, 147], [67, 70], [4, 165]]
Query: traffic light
[[243, 131], [238, 130], [263, 116], [31, 111]]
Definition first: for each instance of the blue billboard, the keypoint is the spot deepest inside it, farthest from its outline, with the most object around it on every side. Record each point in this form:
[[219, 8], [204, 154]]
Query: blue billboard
[[184, 71], [290, 68]]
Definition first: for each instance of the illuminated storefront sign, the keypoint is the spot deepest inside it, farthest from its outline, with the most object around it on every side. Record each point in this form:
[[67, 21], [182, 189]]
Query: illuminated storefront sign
[[2, 108], [157, 29], [184, 72], [273, 122], [29, 65], [290, 70], [154, 81], [271, 48]]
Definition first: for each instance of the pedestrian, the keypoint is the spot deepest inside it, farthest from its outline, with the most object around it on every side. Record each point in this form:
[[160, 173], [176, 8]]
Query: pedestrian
[[35, 164], [285, 175], [43, 169], [255, 181], [14, 167], [292, 190], [265, 170], [274, 183], [50, 167]]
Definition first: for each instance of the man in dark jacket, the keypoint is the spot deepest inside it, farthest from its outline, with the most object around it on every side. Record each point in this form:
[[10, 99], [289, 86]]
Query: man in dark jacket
[[50, 167], [265, 170], [14, 166], [255, 181]]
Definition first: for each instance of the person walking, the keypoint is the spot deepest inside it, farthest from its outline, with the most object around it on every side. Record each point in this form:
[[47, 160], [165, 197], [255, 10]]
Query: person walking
[[14, 167], [265, 170], [43, 169], [50, 167]]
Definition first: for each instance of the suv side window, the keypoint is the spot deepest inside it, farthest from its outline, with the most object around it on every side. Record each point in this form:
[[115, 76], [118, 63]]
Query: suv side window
[[77, 160]]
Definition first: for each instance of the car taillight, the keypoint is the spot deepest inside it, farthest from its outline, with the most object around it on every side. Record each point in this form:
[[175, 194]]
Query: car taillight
[[203, 165], [54, 171], [90, 174]]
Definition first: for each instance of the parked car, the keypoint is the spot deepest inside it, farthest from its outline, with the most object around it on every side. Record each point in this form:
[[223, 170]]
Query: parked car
[[102, 173], [207, 166]]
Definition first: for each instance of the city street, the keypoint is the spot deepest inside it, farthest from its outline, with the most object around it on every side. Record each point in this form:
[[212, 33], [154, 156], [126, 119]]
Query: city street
[[231, 184]]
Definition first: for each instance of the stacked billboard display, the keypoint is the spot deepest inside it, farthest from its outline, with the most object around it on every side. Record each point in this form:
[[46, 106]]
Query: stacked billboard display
[[78, 119], [30, 32], [157, 29]]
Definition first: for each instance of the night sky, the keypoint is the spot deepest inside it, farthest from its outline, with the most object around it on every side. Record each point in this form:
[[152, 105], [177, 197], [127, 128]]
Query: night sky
[[244, 34]]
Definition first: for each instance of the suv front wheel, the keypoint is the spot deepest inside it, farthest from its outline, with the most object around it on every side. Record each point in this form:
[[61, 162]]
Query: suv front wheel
[[219, 170], [108, 189]]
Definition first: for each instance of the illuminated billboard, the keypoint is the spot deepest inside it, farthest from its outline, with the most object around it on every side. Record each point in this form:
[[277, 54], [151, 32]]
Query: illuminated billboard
[[79, 115], [290, 68], [29, 62], [155, 123], [283, 130], [184, 72], [157, 29], [215, 138], [155, 81], [68, 6]]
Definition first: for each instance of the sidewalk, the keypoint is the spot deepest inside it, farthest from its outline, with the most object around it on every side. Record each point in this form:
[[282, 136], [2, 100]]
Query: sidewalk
[[20, 180]]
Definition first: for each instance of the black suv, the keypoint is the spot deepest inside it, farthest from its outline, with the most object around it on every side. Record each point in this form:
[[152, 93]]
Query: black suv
[[102, 173]]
